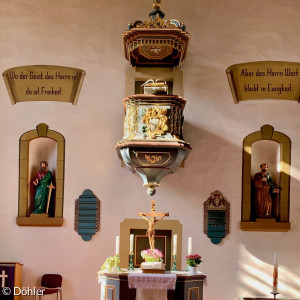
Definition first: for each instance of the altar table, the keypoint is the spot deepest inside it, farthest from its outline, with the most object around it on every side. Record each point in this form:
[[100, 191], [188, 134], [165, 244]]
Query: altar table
[[114, 286]]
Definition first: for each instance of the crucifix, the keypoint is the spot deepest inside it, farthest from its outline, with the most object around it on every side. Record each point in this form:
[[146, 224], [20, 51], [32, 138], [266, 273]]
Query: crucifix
[[152, 220], [3, 276]]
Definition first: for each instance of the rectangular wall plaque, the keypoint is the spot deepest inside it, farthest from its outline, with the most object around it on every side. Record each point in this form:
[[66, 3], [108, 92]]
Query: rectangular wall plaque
[[264, 80], [43, 83]]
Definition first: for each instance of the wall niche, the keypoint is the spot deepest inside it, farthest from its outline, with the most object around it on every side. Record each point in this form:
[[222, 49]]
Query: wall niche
[[41, 144], [274, 149]]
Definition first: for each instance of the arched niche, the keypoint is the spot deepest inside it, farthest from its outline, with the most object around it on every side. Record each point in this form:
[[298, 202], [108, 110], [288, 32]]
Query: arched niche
[[278, 145], [37, 145]]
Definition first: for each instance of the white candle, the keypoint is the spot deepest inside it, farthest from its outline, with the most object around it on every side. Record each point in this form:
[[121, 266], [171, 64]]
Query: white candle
[[131, 243], [175, 244], [190, 242], [117, 244], [275, 273]]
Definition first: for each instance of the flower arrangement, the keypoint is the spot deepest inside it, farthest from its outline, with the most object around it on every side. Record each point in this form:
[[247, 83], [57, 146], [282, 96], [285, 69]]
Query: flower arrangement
[[193, 260], [152, 256], [111, 264]]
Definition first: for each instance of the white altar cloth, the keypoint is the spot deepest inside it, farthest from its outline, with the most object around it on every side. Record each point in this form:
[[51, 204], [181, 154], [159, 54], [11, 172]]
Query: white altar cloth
[[151, 286]]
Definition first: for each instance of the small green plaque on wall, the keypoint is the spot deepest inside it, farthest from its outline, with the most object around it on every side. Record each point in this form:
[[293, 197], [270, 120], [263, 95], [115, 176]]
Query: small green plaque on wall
[[264, 80], [43, 83]]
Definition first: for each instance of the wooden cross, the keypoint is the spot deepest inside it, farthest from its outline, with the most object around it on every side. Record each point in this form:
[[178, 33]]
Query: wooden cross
[[152, 220], [3, 276]]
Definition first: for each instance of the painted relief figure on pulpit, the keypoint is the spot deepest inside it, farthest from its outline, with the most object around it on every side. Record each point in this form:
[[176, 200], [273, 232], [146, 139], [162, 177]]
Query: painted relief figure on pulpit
[[155, 119], [43, 184], [264, 191]]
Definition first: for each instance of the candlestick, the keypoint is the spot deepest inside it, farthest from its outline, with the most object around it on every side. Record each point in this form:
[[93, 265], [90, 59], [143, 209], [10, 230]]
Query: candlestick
[[131, 243], [117, 262], [274, 294], [275, 273], [130, 267], [190, 242], [174, 267], [117, 245], [174, 244]]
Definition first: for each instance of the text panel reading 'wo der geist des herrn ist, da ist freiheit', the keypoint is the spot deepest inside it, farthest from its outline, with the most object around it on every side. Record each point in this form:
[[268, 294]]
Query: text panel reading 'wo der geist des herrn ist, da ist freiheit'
[[43, 83]]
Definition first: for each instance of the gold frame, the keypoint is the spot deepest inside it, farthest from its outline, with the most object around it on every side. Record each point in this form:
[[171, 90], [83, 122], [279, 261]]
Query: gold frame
[[107, 287], [191, 290]]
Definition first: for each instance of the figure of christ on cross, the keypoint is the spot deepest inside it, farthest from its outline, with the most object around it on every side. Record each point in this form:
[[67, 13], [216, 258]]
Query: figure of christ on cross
[[152, 220], [3, 276]]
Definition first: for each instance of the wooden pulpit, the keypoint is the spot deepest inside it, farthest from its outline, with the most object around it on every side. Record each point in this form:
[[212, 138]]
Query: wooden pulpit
[[10, 277]]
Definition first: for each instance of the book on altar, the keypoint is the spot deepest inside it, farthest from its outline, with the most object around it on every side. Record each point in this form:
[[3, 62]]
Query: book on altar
[[156, 265]]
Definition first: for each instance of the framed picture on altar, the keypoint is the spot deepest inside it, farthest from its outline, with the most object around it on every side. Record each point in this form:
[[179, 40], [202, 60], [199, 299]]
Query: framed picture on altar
[[162, 243]]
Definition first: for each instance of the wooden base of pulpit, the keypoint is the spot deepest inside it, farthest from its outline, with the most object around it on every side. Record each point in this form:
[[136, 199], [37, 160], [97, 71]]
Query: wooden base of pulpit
[[10, 278], [115, 287]]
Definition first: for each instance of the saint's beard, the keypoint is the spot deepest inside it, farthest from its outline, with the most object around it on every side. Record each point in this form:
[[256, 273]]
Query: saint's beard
[[43, 169]]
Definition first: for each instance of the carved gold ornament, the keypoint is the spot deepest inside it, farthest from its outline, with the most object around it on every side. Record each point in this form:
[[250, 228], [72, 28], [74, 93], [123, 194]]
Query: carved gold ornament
[[152, 159], [156, 120], [156, 23]]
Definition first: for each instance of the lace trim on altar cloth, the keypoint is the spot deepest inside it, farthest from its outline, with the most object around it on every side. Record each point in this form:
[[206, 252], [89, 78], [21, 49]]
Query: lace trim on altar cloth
[[152, 281]]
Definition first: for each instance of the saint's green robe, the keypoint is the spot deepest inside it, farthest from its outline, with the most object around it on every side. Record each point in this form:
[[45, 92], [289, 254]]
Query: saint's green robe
[[41, 195]]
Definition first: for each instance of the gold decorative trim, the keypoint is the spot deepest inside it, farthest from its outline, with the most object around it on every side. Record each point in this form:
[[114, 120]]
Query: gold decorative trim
[[152, 159], [191, 290], [149, 153], [107, 287], [176, 44], [186, 280], [111, 278], [156, 23]]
